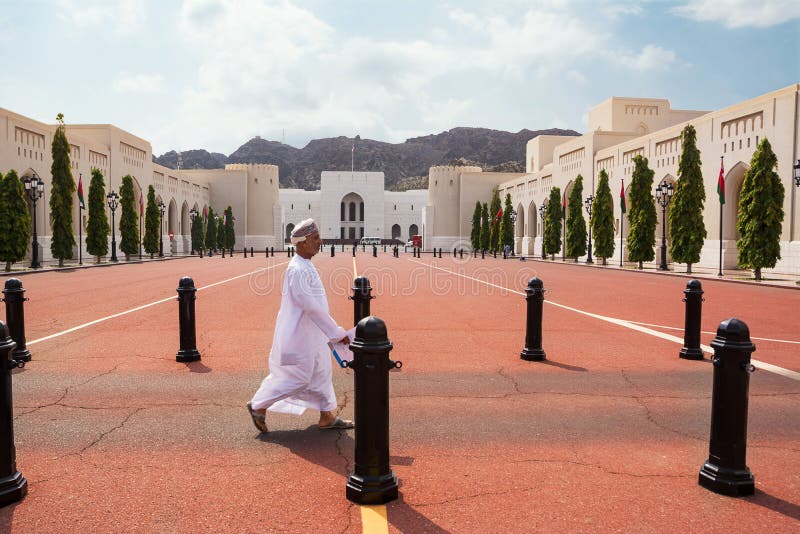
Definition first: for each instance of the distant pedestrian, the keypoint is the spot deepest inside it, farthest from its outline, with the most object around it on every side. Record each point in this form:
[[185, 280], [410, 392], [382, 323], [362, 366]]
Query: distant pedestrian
[[300, 359]]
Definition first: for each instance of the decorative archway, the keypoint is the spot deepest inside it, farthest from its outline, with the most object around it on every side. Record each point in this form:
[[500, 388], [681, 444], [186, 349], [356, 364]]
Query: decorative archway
[[352, 216], [519, 229], [533, 227], [289, 228], [413, 230], [396, 231], [734, 180]]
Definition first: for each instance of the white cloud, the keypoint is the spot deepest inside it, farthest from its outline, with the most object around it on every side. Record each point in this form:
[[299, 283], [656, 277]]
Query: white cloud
[[651, 57], [119, 16], [138, 83], [741, 13]]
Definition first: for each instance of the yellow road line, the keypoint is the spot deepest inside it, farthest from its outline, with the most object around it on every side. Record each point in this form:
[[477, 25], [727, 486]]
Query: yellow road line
[[373, 519]]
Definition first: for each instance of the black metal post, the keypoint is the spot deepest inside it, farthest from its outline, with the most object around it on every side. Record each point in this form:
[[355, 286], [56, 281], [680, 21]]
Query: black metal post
[[354, 251], [362, 294], [726, 471], [454, 252], [161, 209], [223, 252], [80, 236], [663, 265], [374, 251], [245, 251], [333, 251], [13, 486], [483, 254], [691, 330], [589, 203], [14, 297], [372, 480], [534, 297], [251, 252], [461, 253], [34, 187], [187, 294], [272, 251]]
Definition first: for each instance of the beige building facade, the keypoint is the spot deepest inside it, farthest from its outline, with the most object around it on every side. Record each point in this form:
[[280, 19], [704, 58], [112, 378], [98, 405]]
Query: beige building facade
[[619, 129], [264, 214]]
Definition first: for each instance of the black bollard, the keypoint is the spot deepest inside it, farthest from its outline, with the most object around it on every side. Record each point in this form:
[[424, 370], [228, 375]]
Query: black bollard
[[251, 252], [461, 253], [14, 297], [342, 247], [245, 251], [374, 251], [272, 251], [267, 251], [288, 252], [505, 256], [454, 253], [726, 471], [13, 485], [483, 254], [362, 294], [201, 252], [495, 254], [333, 251], [534, 296], [186, 319], [691, 330], [223, 252], [354, 251], [231, 252], [372, 480]]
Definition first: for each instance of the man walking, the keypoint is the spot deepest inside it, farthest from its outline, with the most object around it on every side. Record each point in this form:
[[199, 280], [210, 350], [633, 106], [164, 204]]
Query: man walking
[[300, 359]]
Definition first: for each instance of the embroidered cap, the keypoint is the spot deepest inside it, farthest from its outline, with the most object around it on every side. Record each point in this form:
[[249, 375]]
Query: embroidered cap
[[304, 229]]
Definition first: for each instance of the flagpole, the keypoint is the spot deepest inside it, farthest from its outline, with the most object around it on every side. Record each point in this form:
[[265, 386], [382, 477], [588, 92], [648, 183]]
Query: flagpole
[[622, 210], [80, 234], [721, 207]]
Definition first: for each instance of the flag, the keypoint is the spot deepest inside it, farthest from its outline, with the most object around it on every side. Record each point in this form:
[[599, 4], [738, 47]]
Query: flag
[[80, 192], [564, 205], [141, 205], [622, 204], [499, 215], [721, 182], [205, 212]]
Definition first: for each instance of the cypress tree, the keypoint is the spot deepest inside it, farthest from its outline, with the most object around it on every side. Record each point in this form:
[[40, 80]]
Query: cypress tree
[[230, 235], [475, 234], [552, 223], [576, 224], [494, 228], [211, 230], [686, 227], [506, 226], [485, 227], [97, 229], [15, 220], [602, 219], [642, 213], [152, 223], [128, 227], [221, 232], [760, 212], [62, 188], [197, 233]]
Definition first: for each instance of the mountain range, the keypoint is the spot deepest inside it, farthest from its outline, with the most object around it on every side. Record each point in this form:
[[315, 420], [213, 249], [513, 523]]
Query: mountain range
[[405, 165]]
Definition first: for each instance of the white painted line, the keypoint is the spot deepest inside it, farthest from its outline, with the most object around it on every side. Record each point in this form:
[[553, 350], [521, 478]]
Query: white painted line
[[714, 333], [355, 271], [142, 307], [626, 324]]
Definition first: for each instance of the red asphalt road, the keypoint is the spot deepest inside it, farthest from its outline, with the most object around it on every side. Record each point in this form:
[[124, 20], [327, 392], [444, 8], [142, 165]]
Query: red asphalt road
[[608, 434]]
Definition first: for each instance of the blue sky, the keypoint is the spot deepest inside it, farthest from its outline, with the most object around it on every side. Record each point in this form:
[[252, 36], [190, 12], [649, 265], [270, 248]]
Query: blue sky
[[214, 73]]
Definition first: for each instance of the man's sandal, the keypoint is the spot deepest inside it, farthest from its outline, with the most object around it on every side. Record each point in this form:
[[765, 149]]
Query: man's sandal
[[259, 419], [339, 424]]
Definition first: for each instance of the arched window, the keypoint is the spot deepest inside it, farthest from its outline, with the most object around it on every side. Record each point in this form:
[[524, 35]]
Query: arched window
[[395, 231], [413, 230], [352, 211], [361, 212]]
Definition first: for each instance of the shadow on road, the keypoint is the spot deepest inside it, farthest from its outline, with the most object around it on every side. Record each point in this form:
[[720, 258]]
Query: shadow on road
[[776, 504], [565, 366]]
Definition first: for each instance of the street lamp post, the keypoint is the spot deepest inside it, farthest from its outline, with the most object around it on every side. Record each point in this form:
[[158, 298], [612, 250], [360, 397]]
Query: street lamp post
[[34, 187], [797, 173], [161, 208], [513, 216], [542, 210], [588, 203], [112, 198], [193, 215], [664, 196]]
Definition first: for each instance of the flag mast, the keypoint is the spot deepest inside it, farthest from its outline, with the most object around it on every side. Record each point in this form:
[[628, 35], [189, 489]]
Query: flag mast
[[721, 193], [80, 219]]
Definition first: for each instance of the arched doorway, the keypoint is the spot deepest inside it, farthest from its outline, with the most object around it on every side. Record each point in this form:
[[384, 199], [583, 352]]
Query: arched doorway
[[172, 225], [395, 231], [519, 229], [533, 226], [413, 230], [734, 180], [289, 228], [352, 216]]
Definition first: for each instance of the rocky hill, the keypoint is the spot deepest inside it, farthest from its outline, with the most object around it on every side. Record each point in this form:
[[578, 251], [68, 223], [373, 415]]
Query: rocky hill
[[405, 165]]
